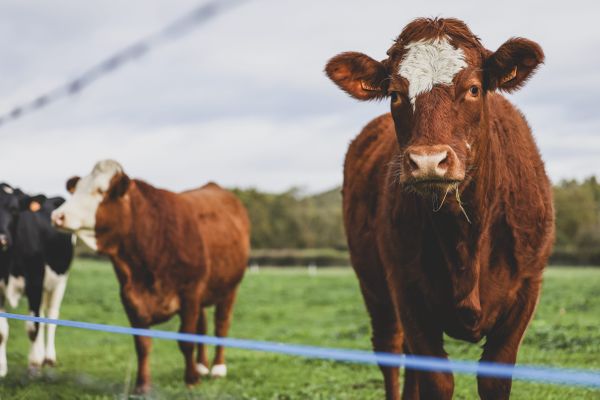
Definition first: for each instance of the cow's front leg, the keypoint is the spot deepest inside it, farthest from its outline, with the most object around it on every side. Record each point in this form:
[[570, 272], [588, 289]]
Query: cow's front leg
[[3, 340], [55, 297], [143, 346], [386, 337], [504, 340], [201, 356], [223, 314], [35, 331], [189, 321], [424, 338]]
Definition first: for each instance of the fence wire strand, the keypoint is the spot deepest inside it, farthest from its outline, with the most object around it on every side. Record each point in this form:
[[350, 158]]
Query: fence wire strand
[[175, 30], [542, 374]]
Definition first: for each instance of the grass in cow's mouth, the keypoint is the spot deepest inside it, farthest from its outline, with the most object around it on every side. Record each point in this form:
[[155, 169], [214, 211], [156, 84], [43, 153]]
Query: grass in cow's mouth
[[287, 305]]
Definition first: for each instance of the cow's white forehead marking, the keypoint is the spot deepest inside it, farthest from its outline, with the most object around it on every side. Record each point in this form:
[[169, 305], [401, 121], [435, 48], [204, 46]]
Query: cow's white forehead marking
[[99, 178], [8, 189], [430, 62], [103, 172]]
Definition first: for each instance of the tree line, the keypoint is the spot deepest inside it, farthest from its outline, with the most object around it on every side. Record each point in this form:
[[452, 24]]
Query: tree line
[[293, 220]]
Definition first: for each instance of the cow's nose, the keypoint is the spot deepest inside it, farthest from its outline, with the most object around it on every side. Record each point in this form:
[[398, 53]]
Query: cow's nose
[[425, 162], [58, 219]]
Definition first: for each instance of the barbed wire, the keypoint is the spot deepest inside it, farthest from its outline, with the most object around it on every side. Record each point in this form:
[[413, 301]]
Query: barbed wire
[[176, 29]]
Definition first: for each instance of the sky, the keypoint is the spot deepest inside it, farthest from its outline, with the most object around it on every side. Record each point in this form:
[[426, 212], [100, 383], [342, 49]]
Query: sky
[[243, 99]]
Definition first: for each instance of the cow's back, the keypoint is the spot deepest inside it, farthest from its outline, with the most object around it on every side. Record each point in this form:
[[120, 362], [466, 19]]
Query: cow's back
[[365, 170], [225, 228]]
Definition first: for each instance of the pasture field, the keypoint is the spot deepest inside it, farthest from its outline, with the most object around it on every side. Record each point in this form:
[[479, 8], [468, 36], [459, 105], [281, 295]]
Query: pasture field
[[287, 305]]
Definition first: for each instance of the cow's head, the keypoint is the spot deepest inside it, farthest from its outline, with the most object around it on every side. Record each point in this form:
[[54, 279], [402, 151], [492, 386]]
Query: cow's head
[[98, 200], [438, 78], [12, 201]]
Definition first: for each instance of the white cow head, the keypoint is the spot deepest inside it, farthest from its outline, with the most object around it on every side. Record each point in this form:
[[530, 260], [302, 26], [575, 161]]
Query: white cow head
[[78, 214]]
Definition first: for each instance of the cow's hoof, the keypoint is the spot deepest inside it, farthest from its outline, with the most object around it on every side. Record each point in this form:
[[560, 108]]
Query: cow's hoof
[[219, 371], [34, 370], [50, 362], [141, 389], [202, 369], [192, 378]]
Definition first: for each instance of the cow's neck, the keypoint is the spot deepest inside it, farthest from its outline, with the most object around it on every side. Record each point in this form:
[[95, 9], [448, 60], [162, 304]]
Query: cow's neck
[[135, 258], [462, 227]]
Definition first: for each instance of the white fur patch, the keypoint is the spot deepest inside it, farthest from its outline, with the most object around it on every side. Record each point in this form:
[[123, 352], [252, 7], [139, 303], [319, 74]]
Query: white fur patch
[[202, 369], [3, 340], [8, 190], [428, 63], [219, 371], [14, 290]]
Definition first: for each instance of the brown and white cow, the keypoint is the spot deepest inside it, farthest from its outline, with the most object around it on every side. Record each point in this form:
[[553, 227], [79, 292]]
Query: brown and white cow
[[447, 207], [173, 253]]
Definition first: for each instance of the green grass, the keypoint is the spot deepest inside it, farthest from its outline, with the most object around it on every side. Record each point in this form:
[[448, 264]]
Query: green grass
[[288, 306]]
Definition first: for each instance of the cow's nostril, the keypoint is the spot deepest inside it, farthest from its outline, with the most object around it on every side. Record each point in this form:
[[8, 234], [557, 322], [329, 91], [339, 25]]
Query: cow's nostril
[[413, 165], [445, 162]]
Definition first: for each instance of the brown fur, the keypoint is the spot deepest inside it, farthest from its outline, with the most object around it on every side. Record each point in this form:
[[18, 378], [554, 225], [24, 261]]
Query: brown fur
[[174, 253], [470, 269]]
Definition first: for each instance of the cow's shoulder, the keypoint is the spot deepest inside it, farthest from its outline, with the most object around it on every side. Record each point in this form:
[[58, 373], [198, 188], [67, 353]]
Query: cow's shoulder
[[368, 157]]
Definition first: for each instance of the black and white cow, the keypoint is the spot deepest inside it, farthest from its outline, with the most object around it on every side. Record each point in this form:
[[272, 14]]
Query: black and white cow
[[35, 260]]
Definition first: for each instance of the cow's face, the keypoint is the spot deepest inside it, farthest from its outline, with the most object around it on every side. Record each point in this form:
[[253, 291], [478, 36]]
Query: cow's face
[[94, 195], [9, 209], [437, 77]]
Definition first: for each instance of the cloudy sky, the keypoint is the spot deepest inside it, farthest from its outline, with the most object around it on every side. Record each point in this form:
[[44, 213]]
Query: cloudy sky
[[243, 100]]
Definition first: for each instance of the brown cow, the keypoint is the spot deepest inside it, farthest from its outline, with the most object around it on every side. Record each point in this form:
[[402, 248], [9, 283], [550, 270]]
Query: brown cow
[[173, 253], [447, 206]]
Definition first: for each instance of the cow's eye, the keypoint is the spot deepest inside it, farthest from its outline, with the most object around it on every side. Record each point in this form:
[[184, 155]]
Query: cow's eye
[[474, 91], [396, 98], [100, 192]]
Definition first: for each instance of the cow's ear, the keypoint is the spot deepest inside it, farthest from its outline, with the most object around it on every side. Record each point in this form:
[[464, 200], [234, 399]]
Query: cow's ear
[[512, 64], [358, 75], [72, 183], [118, 186], [32, 203]]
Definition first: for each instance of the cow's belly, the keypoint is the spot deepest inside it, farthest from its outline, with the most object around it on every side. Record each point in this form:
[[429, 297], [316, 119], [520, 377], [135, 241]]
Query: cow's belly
[[149, 308]]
